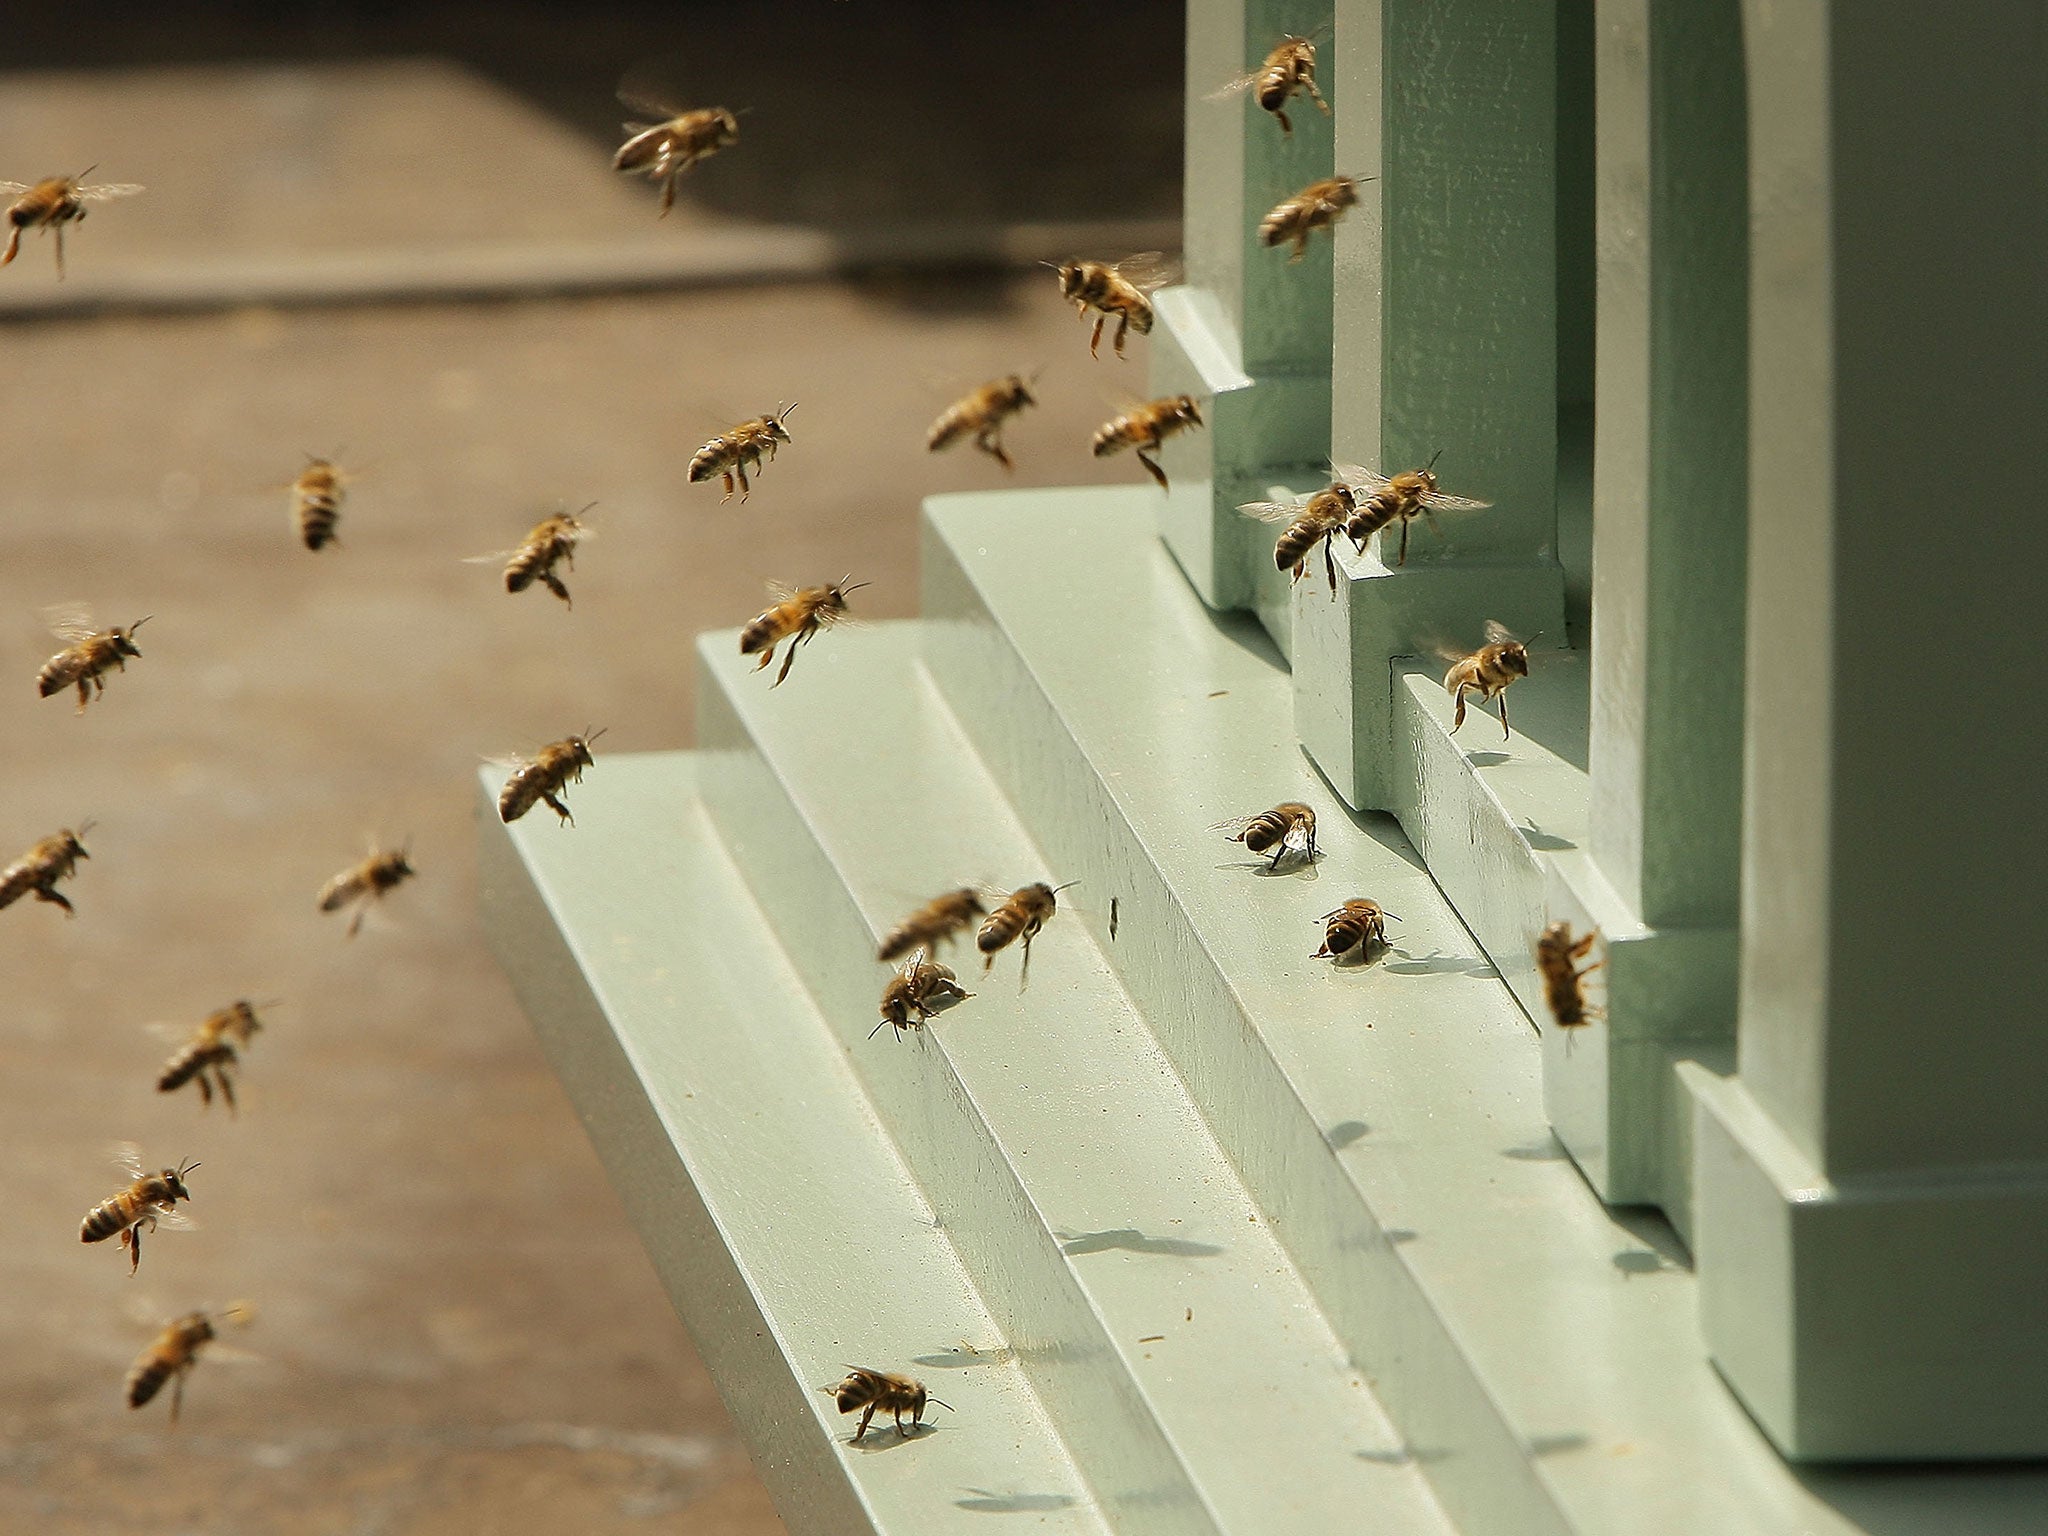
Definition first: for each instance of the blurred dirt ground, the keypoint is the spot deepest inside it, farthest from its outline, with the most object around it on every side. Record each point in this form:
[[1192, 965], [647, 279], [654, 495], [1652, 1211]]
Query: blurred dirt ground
[[458, 1331]]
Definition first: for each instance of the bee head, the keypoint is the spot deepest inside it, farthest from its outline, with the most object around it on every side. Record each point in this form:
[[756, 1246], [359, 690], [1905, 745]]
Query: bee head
[[174, 1181], [124, 639], [1515, 658], [836, 593], [780, 414], [1018, 389], [1069, 274], [728, 128], [1187, 410], [73, 844], [583, 743]]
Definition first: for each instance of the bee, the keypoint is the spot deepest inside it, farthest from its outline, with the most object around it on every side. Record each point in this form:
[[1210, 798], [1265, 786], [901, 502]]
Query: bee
[[1316, 206], [800, 613], [1311, 520], [1020, 916], [1289, 827], [1290, 67], [1120, 289], [1145, 427], [361, 884], [552, 542], [148, 1199], [1353, 929], [1411, 494], [52, 203], [316, 502], [173, 1354], [43, 866], [982, 413], [554, 767], [1487, 672], [88, 654], [921, 987], [729, 454], [869, 1390], [1557, 957], [663, 150], [209, 1052], [933, 924]]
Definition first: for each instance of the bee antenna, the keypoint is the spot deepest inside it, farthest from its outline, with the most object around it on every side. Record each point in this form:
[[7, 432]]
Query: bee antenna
[[941, 1402], [85, 826], [1069, 885], [185, 1168], [844, 588], [583, 509], [1432, 461], [140, 622], [87, 171], [589, 735], [783, 411], [871, 1035]]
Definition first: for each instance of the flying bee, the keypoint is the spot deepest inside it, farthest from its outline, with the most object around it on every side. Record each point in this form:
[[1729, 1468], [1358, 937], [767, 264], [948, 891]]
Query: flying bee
[[316, 501], [43, 866], [360, 884], [870, 1390], [933, 924], [729, 454], [1118, 289], [1290, 67], [1311, 520], [1411, 494], [1316, 206], [800, 613], [1353, 929], [1564, 980], [52, 203], [1486, 672], [209, 1052], [1288, 828], [922, 988], [553, 768], [982, 413], [149, 1198], [1145, 427], [1022, 913], [661, 151], [87, 654], [173, 1354], [552, 542]]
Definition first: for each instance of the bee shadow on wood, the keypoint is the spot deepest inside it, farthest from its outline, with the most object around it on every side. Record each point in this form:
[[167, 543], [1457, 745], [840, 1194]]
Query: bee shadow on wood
[[1542, 841], [884, 1437], [1345, 1132], [1486, 759], [1403, 1456], [1549, 1150], [1131, 1240], [1659, 1239], [985, 1502], [1437, 963]]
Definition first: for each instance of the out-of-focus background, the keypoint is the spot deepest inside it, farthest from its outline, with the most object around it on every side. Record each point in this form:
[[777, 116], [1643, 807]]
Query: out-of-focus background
[[391, 233]]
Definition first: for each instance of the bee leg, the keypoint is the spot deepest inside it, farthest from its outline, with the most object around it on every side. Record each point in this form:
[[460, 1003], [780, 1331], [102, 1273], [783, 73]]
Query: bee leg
[[1316, 95], [1329, 564], [84, 694], [1279, 853], [558, 808], [788, 656], [1300, 246], [992, 445], [1095, 337], [1152, 469], [1285, 126], [51, 894], [205, 1091], [740, 469], [227, 1086], [1123, 329], [177, 1392], [554, 585], [1503, 714], [767, 658], [132, 1236], [668, 192], [728, 488], [1458, 718], [13, 243], [866, 1414], [1403, 560], [60, 252], [355, 923]]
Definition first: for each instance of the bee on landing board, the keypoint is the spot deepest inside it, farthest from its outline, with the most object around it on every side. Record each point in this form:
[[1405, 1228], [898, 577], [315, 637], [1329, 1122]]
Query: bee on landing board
[[730, 453], [919, 989], [1118, 290], [798, 613], [316, 502], [208, 1053], [1290, 67], [1288, 828], [551, 542], [1486, 672], [543, 778], [1144, 428], [1311, 520], [933, 924], [43, 866], [87, 655], [1411, 494], [1564, 980], [1021, 914], [870, 1390], [662, 150], [149, 1198], [1352, 930], [52, 203], [1316, 206], [173, 1354], [982, 413], [360, 884]]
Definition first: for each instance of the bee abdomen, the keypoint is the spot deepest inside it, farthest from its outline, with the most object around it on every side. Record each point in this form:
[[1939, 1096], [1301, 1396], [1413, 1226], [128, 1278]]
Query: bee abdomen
[[519, 794], [188, 1064], [147, 1379], [1264, 832], [759, 634], [103, 1221]]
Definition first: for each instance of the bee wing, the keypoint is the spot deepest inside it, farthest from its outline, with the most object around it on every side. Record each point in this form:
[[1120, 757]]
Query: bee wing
[[1273, 511], [512, 760], [176, 1221], [1147, 270], [1498, 633], [644, 101], [1237, 87], [170, 1034], [1444, 650], [1443, 503], [495, 557], [127, 1157], [780, 591], [1235, 824], [13, 188], [1363, 481], [1296, 840], [69, 622], [105, 190]]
